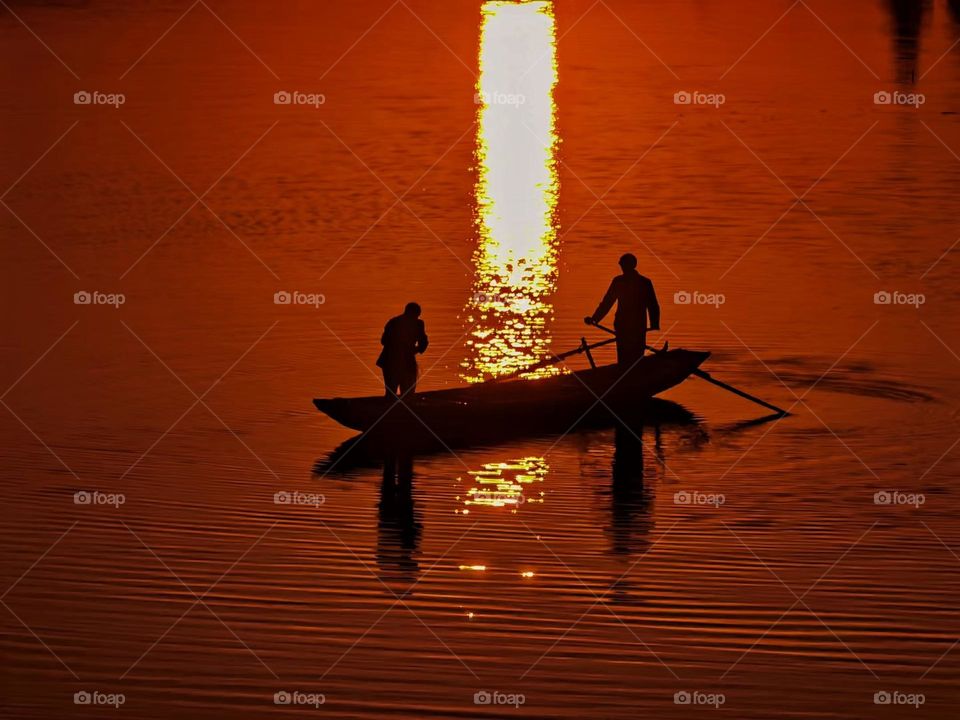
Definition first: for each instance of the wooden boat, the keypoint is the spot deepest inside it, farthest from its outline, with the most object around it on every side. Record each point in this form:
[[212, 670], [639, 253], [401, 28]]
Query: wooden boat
[[368, 450], [557, 402]]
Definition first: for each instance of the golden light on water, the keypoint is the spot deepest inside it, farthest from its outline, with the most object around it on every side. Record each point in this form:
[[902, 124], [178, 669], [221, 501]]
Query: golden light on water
[[516, 192], [507, 484]]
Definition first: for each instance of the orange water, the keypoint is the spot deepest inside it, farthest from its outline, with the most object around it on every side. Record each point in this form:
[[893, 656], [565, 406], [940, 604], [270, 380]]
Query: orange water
[[600, 595]]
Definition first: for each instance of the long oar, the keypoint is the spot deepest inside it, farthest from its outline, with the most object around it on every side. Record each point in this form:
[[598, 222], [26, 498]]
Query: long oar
[[719, 383], [553, 360]]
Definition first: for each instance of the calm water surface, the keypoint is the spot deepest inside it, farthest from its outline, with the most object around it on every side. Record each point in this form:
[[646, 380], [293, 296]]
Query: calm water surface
[[563, 569]]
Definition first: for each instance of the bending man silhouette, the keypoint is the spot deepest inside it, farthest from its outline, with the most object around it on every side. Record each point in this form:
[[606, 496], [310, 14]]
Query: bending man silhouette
[[404, 337], [635, 299]]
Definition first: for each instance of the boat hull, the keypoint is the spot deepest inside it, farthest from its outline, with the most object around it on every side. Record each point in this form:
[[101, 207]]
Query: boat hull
[[559, 402]]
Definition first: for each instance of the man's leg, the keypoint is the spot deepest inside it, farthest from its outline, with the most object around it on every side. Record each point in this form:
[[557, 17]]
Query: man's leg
[[630, 348], [390, 382], [407, 380]]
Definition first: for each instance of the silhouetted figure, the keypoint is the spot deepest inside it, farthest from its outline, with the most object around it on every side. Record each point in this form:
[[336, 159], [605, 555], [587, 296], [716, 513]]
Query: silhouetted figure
[[404, 337], [635, 299], [398, 537], [954, 6], [908, 17]]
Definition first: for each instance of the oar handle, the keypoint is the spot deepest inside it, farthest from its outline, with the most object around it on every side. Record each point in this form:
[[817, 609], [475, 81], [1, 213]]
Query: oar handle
[[612, 331], [553, 360]]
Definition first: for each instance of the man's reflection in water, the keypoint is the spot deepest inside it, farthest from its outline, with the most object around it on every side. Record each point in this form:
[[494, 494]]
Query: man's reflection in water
[[630, 504], [399, 527], [954, 6], [908, 17]]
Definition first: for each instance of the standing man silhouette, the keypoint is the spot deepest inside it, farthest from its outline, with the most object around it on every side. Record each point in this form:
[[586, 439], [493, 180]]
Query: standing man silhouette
[[404, 337], [635, 298]]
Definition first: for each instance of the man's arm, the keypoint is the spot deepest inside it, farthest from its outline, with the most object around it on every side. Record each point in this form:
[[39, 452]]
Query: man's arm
[[385, 338], [423, 340], [608, 300], [653, 308]]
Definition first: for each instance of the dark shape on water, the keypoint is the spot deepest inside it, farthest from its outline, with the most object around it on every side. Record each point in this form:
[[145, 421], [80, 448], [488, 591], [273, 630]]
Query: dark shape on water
[[553, 404], [630, 520], [399, 528], [630, 502], [367, 451], [404, 337], [954, 6], [747, 424], [908, 18], [636, 300]]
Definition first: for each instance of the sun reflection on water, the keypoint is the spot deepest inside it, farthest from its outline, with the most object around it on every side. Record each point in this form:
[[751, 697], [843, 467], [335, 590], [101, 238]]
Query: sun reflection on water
[[516, 192], [507, 484]]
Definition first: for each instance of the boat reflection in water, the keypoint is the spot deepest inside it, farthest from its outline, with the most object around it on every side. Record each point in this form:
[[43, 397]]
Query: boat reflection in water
[[516, 192], [622, 483]]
